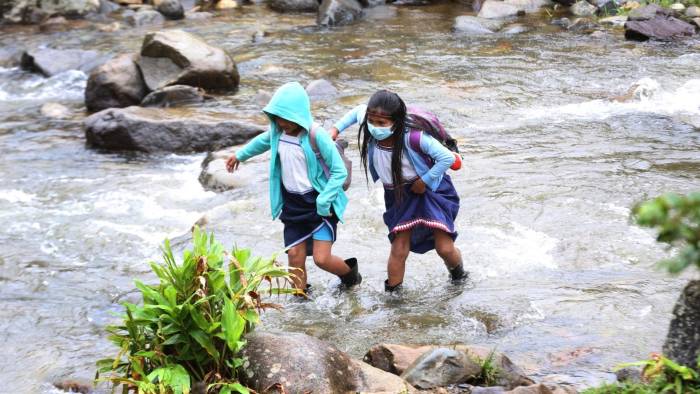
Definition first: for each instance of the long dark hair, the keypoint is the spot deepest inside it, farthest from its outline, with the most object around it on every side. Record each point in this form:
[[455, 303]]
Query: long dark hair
[[391, 105]]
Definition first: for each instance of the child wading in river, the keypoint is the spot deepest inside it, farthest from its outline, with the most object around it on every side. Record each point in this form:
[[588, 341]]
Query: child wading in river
[[309, 202], [421, 202]]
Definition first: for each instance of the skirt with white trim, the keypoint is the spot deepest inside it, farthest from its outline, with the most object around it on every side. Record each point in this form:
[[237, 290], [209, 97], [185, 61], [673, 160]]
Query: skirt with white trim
[[301, 220], [422, 214]]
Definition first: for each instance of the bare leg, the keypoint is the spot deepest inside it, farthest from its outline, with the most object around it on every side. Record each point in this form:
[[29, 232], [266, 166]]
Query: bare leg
[[296, 256], [396, 267], [445, 247], [327, 261]]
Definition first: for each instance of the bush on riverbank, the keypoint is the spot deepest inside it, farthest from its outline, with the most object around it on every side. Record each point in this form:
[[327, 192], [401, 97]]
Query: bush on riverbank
[[191, 325]]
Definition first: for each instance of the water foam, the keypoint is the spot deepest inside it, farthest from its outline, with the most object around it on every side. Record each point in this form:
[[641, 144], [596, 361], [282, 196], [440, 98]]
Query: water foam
[[17, 85], [15, 196]]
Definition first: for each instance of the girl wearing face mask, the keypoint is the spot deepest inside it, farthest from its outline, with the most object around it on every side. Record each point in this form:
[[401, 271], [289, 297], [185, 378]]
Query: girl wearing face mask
[[421, 202]]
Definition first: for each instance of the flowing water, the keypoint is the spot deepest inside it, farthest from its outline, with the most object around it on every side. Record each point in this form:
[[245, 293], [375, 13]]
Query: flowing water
[[560, 278]]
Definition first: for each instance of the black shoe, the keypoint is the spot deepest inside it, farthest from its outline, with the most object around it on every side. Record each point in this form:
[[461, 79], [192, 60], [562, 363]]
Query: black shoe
[[458, 274], [353, 277], [392, 289], [306, 293]]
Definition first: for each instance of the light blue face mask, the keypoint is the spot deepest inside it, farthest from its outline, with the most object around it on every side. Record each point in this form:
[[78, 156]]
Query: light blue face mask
[[379, 133]]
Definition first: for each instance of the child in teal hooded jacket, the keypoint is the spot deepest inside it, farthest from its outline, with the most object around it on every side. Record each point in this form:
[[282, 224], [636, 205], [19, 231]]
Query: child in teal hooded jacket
[[309, 202]]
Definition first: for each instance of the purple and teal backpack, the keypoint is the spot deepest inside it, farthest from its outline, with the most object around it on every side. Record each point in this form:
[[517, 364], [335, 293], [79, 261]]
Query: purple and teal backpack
[[420, 119]]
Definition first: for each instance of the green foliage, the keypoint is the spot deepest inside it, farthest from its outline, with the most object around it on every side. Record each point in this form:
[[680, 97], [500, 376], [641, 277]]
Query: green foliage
[[659, 375], [677, 219], [489, 371], [191, 325]]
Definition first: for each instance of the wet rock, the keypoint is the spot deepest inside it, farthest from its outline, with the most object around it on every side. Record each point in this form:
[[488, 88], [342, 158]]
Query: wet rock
[[321, 89], [214, 175], [145, 17], [175, 95], [338, 12], [107, 7], [616, 21], [55, 111], [23, 11], [441, 367], [54, 24], [683, 340], [115, 84], [32, 11], [510, 375], [494, 9], [599, 34], [663, 28], [608, 9], [74, 386], [294, 5], [696, 21], [474, 25], [515, 28], [174, 57], [647, 12], [394, 358], [693, 12], [275, 359], [583, 8], [50, 62], [582, 25], [561, 22], [171, 9], [542, 389], [529, 5], [629, 374], [165, 130]]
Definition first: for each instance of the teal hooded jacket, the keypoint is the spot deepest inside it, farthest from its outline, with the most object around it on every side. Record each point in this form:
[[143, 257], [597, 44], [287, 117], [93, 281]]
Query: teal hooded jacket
[[291, 102]]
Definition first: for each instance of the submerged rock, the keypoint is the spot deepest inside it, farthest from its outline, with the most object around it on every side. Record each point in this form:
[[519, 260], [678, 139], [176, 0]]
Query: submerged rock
[[321, 89], [174, 57], [165, 130], [50, 62], [55, 111], [338, 12], [175, 95], [115, 84], [475, 25], [275, 360], [494, 9], [683, 339], [294, 5], [663, 28]]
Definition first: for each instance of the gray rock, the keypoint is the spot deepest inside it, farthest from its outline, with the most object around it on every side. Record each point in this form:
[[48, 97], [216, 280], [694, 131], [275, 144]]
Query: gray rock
[[608, 9], [529, 5], [321, 368], [107, 7], [171, 9], [338, 12], [647, 12], [394, 358], [678, 7], [474, 25], [662, 28], [33, 11], [495, 9], [696, 21], [583, 8], [515, 28], [115, 84], [683, 340], [561, 22], [50, 62], [10, 56], [175, 95], [145, 17], [510, 375], [165, 130], [294, 5], [617, 21], [174, 57], [214, 175], [70, 8], [582, 25], [321, 89], [629, 374], [441, 367], [55, 111], [692, 12]]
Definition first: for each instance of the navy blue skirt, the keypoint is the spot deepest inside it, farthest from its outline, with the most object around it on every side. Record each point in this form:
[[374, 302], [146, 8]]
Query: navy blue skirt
[[301, 219], [422, 214]]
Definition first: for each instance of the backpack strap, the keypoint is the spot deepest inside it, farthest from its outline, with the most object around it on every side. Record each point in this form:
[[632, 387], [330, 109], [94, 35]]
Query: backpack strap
[[414, 143], [314, 147]]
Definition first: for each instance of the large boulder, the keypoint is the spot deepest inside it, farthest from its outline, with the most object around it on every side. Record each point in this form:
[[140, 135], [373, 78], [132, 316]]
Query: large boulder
[[495, 9], [115, 84], [165, 130], [174, 57], [338, 12], [441, 367], [663, 28], [50, 62], [275, 360], [171, 9], [683, 339], [293, 5]]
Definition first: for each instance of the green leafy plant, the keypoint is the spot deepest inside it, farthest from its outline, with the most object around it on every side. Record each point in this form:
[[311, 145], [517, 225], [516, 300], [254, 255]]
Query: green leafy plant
[[659, 375], [488, 376], [677, 219], [190, 327]]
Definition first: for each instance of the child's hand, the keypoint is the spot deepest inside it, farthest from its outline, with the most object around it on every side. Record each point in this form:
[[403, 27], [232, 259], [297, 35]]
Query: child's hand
[[334, 133], [232, 163], [418, 186]]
